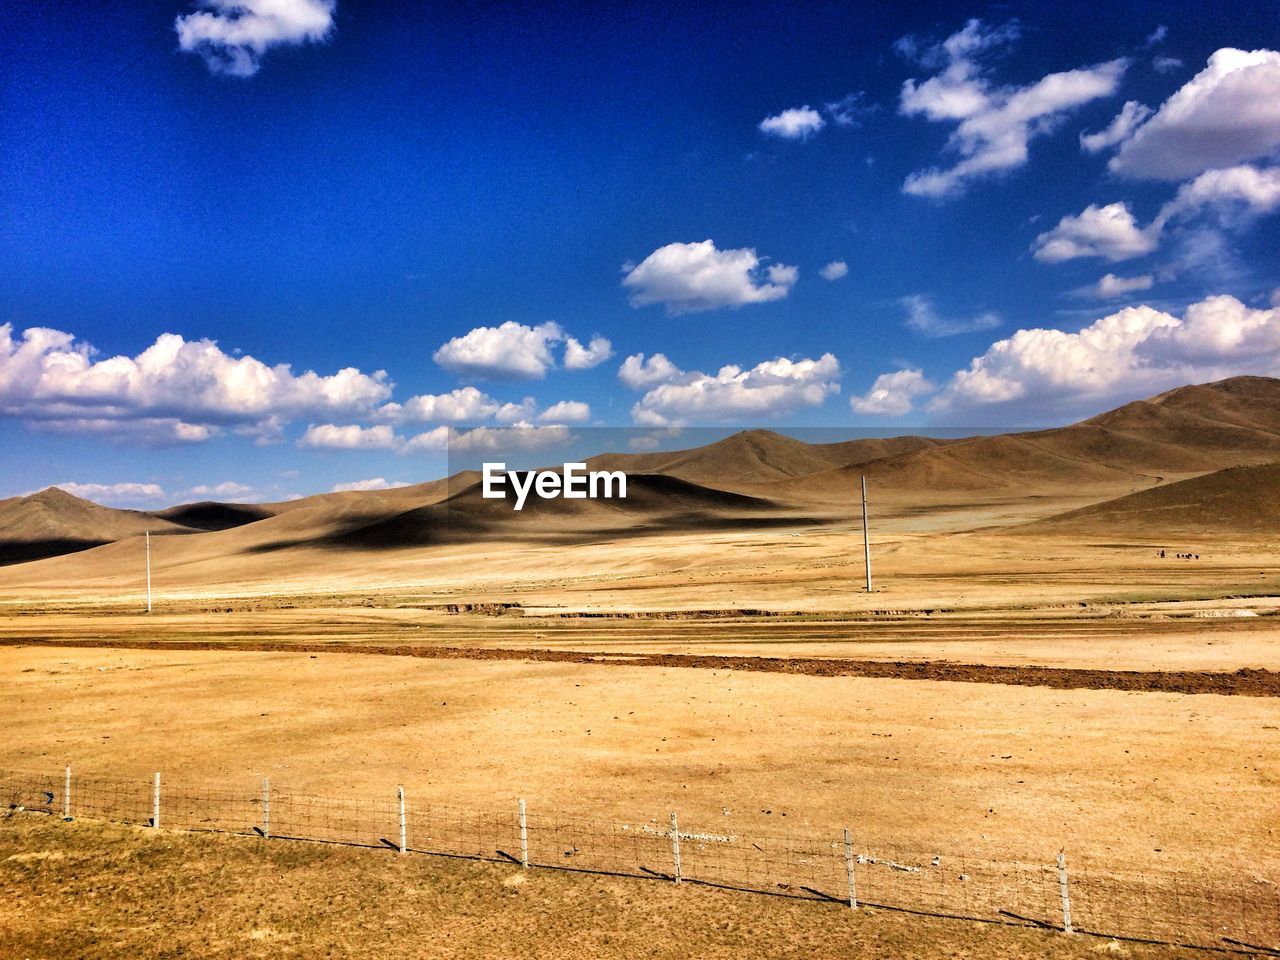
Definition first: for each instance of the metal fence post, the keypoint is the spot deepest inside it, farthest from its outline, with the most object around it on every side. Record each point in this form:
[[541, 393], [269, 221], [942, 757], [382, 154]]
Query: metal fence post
[[266, 808], [155, 803], [1066, 896], [66, 795], [675, 845], [848, 869], [524, 837], [404, 829]]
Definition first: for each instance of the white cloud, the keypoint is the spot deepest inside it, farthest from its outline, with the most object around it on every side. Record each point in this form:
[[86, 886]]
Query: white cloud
[[924, 319], [640, 373], [773, 388], [513, 412], [520, 436], [1166, 64], [1237, 191], [377, 483], [578, 357], [892, 394], [690, 277], [330, 436], [994, 124], [431, 441], [798, 123], [232, 35], [1134, 352], [848, 111], [227, 490], [116, 494], [1233, 196], [1111, 286], [174, 391], [835, 270], [1126, 121], [1110, 232], [511, 351], [1226, 114], [571, 411], [1157, 35], [465, 403]]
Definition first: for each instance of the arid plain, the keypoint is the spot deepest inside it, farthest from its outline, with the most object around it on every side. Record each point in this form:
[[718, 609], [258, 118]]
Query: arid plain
[[1037, 667]]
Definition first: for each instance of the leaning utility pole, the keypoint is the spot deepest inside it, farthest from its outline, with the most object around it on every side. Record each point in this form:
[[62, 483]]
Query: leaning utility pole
[[148, 541], [866, 542]]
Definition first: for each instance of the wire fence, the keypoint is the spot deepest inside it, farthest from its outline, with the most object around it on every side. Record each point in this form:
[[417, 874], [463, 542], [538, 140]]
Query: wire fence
[[1209, 910]]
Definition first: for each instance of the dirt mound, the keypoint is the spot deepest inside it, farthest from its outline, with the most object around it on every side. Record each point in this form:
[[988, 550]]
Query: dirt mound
[[54, 522], [1242, 500], [210, 515], [654, 503]]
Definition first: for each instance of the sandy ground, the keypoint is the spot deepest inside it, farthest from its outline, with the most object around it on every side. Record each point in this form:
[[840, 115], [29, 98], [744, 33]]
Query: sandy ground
[[1153, 779]]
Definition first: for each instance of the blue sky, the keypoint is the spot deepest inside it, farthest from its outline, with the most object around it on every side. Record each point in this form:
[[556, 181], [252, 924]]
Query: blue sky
[[627, 213]]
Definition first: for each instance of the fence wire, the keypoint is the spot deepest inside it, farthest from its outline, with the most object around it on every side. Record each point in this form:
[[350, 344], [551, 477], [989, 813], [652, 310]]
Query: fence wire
[[1213, 910]]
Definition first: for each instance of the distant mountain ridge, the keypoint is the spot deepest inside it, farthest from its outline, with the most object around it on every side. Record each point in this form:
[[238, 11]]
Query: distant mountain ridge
[[1173, 436]]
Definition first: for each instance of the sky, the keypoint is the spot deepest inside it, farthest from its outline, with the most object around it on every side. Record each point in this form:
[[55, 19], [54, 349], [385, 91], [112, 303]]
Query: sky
[[254, 249]]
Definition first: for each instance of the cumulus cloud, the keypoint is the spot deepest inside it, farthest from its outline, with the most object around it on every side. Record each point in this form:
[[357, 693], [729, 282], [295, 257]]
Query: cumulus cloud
[[465, 403], [513, 412], [228, 490], [892, 394], [1225, 115], [570, 411], [835, 270], [377, 483], [330, 436], [797, 123], [174, 391], [773, 388], [578, 357], [1232, 197], [994, 124], [691, 277], [923, 318], [431, 441], [510, 351], [640, 372], [1110, 286], [1110, 231], [520, 436], [232, 35], [1126, 121], [1134, 352]]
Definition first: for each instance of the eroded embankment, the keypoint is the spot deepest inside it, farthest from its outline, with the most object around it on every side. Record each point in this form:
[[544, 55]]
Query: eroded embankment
[[1247, 682]]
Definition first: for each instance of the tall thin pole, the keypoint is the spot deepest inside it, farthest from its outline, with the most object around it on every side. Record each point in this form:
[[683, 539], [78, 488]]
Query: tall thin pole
[[866, 541], [148, 538]]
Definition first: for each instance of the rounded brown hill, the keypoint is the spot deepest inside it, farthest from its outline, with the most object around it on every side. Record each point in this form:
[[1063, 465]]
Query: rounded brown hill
[[1242, 500], [53, 521]]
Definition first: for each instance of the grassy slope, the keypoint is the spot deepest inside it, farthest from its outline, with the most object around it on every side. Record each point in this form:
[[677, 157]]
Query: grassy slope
[[94, 890]]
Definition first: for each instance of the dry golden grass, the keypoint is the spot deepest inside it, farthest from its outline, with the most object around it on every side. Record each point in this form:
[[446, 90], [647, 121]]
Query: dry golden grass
[[93, 890]]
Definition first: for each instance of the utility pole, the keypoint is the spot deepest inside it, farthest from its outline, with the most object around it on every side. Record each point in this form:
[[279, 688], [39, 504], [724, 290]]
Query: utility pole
[[148, 540], [866, 541]]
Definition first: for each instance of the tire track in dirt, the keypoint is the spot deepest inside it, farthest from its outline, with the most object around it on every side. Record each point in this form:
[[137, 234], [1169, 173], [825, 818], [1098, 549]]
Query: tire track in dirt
[[1245, 682]]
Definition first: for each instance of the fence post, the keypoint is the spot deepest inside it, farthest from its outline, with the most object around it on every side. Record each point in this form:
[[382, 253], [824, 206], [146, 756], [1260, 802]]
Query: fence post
[[404, 830], [848, 869], [524, 837], [675, 845], [155, 803], [1066, 896], [66, 795], [266, 808]]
